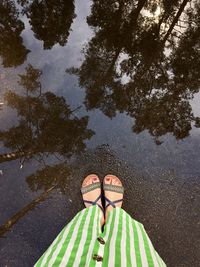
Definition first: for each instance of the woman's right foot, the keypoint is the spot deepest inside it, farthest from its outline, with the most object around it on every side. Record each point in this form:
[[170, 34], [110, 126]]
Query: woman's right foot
[[92, 195], [113, 195]]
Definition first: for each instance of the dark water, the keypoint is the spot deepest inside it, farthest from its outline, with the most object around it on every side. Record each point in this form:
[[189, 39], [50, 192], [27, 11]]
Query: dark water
[[104, 87]]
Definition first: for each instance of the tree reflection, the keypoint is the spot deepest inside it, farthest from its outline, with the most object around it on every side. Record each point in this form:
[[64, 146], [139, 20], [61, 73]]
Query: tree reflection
[[12, 50], [139, 62], [50, 176], [21, 213], [47, 179], [51, 20], [45, 122]]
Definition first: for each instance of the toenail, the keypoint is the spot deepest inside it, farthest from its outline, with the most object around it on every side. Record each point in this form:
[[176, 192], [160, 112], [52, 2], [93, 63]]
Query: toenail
[[95, 179]]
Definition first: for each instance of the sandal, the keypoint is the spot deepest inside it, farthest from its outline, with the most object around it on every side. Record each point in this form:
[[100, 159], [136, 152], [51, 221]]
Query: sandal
[[89, 188], [112, 188]]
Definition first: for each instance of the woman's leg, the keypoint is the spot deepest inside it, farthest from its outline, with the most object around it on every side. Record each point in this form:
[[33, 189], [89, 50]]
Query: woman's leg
[[126, 241], [74, 245], [91, 193]]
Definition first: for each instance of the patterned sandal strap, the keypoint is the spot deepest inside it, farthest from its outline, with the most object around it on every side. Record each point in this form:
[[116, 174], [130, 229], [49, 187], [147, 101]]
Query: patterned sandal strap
[[94, 202], [90, 187], [113, 188], [112, 203]]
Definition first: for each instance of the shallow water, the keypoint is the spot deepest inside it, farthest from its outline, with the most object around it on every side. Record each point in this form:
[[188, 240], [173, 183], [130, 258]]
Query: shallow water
[[104, 87]]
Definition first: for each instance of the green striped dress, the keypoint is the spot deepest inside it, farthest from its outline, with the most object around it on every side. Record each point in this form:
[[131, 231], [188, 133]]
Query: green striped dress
[[124, 242]]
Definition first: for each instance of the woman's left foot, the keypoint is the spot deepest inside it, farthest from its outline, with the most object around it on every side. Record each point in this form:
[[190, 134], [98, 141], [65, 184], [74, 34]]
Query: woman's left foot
[[113, 191], [91, 191]]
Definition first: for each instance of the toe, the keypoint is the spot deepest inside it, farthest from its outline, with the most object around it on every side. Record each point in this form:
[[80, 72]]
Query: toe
[[112, 179], [90, 179]]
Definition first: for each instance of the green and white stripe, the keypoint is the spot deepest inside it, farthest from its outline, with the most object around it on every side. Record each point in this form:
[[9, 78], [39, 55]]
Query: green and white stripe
[[126, 243]]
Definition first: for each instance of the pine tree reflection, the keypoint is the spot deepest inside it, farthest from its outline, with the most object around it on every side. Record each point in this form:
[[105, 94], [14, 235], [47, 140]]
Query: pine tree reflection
[[20, 214], [12, 50], [47, 179], [50, 20], [140, 64], [56, 175], [46, 123]]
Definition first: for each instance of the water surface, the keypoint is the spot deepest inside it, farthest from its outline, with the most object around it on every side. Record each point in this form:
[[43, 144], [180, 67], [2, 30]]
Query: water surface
[[104, 87]]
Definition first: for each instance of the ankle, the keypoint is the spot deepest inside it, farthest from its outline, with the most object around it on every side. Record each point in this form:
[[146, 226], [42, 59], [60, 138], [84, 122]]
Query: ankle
[[108, 210]]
